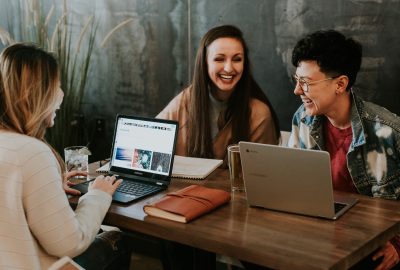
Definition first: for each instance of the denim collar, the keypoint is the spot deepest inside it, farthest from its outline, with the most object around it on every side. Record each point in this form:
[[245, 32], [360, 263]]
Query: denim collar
[[356, 113]]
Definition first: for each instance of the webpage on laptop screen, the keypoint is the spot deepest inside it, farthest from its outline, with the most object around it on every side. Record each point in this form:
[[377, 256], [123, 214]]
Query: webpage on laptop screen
[[144, 146]]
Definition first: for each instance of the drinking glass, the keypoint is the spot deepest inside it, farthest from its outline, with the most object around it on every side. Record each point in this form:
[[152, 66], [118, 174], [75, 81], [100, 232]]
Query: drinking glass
[[235, 168], [77, 159]]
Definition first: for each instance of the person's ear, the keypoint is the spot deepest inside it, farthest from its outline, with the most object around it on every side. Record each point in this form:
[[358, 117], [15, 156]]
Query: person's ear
[[341, 84]]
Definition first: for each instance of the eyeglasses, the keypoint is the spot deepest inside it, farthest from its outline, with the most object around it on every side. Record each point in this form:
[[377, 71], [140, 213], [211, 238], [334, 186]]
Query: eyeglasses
[[304, 85]]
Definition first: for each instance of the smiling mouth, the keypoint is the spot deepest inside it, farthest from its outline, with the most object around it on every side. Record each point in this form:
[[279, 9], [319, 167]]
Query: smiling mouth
[[226, 77]]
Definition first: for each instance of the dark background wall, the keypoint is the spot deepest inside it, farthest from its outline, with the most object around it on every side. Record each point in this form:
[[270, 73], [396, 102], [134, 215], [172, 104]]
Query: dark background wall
[[149, 61]]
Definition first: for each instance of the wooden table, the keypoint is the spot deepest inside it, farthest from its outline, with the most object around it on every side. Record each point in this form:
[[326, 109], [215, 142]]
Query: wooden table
[[270, 238]]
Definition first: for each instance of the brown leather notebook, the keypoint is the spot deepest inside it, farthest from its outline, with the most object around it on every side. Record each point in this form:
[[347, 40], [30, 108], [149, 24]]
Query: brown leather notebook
[[188, 203]]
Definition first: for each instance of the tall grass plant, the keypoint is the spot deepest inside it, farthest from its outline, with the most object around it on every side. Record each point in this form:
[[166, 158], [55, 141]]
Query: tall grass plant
[[54, 31]]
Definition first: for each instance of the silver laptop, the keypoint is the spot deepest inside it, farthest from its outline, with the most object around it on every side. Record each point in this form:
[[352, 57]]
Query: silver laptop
[[142, 155], [291, 180]]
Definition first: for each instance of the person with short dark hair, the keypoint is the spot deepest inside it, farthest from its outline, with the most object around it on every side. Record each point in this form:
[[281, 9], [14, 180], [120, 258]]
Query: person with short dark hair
[[363, 139]]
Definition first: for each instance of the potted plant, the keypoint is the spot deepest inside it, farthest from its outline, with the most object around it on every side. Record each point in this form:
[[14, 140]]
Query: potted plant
[[53, 31]]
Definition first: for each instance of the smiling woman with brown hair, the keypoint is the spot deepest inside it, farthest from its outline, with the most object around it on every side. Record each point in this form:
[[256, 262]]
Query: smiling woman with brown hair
[[223, 104]]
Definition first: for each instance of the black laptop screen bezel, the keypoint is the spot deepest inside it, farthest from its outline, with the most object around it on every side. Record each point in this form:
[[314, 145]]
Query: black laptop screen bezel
[[138, 174]]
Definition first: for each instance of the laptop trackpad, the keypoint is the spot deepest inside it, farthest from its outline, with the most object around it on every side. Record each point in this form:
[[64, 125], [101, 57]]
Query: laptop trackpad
[[82, 187], [123, 197]]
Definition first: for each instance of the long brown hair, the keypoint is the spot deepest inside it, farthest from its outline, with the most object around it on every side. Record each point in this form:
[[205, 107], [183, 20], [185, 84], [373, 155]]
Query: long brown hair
[[29, 80], [238, 111]]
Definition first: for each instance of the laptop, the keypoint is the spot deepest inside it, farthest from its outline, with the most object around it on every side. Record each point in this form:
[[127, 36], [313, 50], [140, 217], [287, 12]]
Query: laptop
[[291, 180], [142, 155]]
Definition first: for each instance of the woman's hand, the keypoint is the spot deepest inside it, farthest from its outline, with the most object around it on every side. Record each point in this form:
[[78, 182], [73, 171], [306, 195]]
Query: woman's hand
[[67, 184], [389, 254], [105, 183]]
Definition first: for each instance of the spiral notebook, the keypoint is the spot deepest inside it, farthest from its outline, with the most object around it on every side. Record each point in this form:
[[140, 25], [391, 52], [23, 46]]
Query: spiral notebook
[[186, 167], [194, 168]]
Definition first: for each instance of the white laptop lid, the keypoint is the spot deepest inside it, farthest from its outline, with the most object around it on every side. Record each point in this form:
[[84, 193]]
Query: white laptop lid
[[289, 179]]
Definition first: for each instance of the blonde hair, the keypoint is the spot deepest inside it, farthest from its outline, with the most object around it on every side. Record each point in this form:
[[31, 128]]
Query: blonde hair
[[29, 81]]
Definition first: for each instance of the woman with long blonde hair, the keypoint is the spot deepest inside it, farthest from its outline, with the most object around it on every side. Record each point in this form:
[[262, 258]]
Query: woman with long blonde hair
[[37, 225]]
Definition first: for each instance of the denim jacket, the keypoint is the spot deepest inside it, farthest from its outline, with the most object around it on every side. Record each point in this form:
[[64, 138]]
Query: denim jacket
[[373, 158]]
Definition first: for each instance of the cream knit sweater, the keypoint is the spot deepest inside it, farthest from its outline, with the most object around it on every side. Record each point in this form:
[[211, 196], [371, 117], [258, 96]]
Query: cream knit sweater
[[37, 225]]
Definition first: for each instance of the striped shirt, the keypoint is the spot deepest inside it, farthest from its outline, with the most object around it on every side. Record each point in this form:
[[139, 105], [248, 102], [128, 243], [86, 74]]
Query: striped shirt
[[37, 224]]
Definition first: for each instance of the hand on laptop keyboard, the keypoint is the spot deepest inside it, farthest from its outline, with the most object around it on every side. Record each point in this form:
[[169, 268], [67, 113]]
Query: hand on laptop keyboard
[[106, 183]]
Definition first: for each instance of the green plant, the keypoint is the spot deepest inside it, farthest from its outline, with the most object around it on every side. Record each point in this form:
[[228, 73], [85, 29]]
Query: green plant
[[74, 54]]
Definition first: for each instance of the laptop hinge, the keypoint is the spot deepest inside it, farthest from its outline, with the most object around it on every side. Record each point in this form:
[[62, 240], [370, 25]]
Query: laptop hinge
[[159, 183]]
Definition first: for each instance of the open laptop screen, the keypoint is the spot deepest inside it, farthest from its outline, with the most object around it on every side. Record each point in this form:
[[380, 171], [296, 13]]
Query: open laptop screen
[[143, 147]]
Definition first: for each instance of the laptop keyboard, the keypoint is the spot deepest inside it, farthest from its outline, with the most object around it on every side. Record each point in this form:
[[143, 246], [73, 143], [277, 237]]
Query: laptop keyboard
[[339, 206], [136, 189]]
